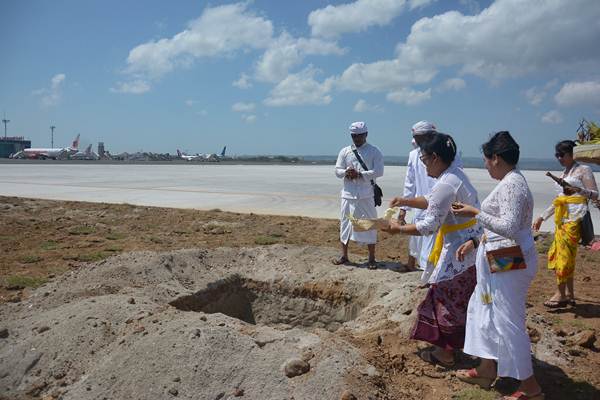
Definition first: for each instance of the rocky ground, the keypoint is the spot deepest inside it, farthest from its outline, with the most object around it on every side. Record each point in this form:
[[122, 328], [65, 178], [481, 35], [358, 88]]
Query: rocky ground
[[123, 302]]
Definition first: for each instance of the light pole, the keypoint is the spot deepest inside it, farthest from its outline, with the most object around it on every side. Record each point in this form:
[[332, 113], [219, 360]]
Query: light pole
[[52, 136], [5, 121]]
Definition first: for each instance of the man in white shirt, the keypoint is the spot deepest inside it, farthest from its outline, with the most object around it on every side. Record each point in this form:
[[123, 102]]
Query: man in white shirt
[[416, 184], [357, 192]]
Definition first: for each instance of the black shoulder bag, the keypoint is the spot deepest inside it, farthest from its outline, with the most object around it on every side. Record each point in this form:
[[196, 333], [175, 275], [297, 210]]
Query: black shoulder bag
[[377, 192]]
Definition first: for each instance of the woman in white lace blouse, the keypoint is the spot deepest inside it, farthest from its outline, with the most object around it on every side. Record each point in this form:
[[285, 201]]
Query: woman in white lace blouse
[[496, 330], [569, 208], [451, 279]]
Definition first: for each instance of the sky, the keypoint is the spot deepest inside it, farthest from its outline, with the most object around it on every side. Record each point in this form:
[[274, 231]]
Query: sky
[[289, 77]]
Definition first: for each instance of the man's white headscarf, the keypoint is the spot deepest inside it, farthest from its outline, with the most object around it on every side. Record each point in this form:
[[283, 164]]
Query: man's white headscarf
[[357, 128], [423, 127]]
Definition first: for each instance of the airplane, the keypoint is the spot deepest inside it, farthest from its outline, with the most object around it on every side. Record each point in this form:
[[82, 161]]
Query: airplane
[[88, 154], [187, 157], [56, 153]]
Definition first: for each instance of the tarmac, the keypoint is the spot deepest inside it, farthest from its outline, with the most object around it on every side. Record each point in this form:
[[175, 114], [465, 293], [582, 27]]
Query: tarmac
[[306, 190]]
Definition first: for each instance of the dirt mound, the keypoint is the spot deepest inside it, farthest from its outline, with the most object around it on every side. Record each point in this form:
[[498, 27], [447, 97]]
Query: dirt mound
[[203, 324]]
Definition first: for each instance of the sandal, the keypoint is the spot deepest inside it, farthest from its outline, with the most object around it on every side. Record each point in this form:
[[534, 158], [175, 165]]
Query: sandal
[[518, 395], [556, 303], [471, 376], [372, 265], [430, 358], [340, 261]]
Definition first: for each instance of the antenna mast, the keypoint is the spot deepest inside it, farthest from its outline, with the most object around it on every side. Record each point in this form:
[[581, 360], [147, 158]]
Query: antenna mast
[[52, 136], [5, 121]]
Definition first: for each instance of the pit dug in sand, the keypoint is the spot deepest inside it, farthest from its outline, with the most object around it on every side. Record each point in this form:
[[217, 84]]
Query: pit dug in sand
[[272, 304]]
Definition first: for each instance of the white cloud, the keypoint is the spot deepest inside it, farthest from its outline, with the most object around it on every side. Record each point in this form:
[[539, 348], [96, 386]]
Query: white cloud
[[243, 82], [409, 97], [52, 96], [362, 106], [243, 107], [509, 38], [138, 86], [455, 84], [190, 102], [535, 96], [552, 117], [249, 119], [382, 76], [287, 52], [300, 89], [358, 16], [219, 31], [579, 93]]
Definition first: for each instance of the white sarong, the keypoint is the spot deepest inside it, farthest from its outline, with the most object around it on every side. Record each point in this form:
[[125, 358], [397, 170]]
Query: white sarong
[[420, 247], [360, 208]]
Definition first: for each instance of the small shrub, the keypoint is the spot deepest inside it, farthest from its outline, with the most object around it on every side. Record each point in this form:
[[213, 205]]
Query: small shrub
[[49, 245], [31, 259], [82, 230], [265, 240], [17, 282], [115, 236]]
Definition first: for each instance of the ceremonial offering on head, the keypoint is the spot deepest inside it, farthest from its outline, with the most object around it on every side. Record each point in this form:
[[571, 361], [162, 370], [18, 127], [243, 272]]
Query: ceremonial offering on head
[[367, 224]]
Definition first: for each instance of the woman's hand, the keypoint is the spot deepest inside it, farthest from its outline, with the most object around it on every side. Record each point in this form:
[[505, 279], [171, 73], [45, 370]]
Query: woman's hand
[[537, 224], [571, 190], [464, 210], [393, 228], [464, 249], [397, 202]]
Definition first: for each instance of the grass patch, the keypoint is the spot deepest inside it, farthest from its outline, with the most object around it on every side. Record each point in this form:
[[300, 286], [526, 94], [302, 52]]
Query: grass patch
[[91, 257], [114, 249], [16, 282], [156, 240], [82, 230], [49, 245], [31, 259], [115, 236], [265, 240], [475, 394]]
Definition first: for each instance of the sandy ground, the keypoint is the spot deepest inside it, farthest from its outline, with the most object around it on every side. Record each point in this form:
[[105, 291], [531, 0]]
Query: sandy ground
[[43, 242]]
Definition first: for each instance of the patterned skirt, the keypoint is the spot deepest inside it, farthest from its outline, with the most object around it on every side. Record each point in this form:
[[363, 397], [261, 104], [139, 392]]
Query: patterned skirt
[[563, 251], [442, 315]]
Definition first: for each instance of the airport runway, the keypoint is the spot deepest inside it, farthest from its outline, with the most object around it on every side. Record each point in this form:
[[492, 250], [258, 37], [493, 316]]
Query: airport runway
[[307, 190]]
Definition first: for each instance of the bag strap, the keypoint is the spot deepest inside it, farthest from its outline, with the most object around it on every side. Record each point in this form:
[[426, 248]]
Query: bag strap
[[360, 160]]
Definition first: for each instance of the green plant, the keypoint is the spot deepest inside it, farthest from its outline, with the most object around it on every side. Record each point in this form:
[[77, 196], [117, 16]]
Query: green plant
[[49, 245], [265, 240], [20, 282], [31, 259], [82, 230]]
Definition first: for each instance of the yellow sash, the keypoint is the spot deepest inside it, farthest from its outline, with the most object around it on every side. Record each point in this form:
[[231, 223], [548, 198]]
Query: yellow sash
[[436, 251], [560, 206]]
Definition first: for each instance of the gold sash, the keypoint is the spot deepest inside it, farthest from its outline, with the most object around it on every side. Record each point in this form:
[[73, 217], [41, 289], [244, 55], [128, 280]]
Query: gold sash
[[436, 251]]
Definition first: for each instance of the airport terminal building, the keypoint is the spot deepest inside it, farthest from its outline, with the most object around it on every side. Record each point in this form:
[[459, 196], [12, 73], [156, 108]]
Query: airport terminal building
[[13, 144]]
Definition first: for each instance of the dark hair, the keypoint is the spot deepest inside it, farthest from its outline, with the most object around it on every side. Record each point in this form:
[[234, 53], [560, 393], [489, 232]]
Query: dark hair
[[504, 146], [565, 147], [441, 144]]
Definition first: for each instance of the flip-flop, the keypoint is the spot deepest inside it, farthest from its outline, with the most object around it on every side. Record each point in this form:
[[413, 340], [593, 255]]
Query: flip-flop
[[556, 303], [428, 357], [471, 376], [518, 395], [372, 265], [340, 261]]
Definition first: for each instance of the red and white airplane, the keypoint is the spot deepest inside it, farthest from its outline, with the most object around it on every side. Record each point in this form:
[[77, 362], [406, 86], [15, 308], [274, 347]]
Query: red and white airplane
[[56, 153]]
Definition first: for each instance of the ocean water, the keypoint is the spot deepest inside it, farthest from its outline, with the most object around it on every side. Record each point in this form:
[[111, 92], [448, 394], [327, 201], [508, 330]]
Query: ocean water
[[306, 190]]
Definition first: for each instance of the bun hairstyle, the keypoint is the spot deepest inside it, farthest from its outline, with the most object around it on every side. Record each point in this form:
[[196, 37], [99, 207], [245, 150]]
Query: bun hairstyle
[[502, 145], [442, 145], [565, 147]]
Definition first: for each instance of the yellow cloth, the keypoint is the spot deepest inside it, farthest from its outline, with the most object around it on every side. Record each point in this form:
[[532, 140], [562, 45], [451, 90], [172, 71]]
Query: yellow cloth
[[560, 207], [436, 251], [563, 251]]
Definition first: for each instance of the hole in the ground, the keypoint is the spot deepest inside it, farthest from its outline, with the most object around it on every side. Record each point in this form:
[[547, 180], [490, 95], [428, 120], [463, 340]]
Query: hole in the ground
[[273, 304]]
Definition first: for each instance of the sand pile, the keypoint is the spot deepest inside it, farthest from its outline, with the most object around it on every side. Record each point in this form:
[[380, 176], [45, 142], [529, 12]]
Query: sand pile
[[257, 323]]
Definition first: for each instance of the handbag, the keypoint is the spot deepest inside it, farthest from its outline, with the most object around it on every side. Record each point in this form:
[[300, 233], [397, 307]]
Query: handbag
[[506, 259], [377, 192], [587, 229]]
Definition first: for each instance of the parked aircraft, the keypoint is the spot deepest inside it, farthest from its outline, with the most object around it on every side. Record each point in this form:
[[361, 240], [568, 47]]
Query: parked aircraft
[[55, 153], [88, 154], [188, 157]]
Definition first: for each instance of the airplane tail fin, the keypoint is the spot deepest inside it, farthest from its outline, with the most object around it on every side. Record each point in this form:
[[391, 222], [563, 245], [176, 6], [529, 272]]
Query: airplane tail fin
[[88, 151], [75, 144], [223, 152], [178, 153]]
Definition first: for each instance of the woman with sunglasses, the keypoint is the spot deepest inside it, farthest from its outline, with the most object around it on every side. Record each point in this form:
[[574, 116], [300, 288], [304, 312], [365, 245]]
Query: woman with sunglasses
[[506, 264], [569, 207], [450, 272]]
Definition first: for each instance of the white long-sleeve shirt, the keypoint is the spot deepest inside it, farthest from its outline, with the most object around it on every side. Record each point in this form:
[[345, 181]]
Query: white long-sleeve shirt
[[360, 188]]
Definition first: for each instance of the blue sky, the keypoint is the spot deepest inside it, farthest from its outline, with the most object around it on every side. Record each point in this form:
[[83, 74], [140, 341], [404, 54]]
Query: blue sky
[[288, 77]]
